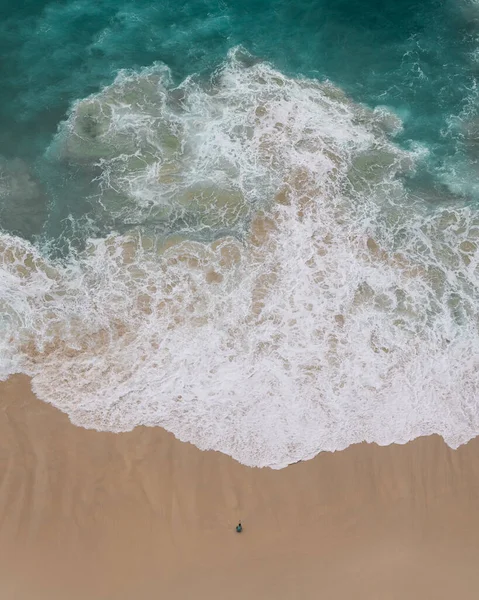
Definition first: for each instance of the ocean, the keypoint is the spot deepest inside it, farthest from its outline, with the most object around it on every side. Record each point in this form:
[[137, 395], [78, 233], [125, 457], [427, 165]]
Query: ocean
[[254, 224]]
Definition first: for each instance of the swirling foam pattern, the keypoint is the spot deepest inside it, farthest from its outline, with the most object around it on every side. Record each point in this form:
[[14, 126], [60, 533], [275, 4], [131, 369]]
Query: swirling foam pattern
[[298, 298]]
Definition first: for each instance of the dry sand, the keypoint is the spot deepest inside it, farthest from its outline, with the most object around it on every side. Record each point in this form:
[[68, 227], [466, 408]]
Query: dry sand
[[88, 515]]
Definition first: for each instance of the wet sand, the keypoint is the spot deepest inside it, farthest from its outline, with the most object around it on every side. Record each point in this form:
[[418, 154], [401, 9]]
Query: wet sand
[[88, 515]]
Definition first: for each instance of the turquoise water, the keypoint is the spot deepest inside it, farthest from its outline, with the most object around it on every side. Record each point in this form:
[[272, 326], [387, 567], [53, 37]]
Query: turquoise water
[[254, 223], [416, 57]]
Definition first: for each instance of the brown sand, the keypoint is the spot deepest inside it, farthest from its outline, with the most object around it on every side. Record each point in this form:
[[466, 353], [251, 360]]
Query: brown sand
[[88, 515]]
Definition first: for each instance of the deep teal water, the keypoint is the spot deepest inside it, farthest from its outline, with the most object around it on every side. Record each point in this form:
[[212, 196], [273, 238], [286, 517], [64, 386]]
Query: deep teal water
[[415, 57], [350, 313]]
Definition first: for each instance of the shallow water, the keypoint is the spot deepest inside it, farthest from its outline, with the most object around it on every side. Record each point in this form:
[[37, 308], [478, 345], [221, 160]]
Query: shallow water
[[253, 225]]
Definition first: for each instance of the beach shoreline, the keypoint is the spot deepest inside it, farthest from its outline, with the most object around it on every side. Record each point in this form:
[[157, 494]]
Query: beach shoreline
[[86, 514]]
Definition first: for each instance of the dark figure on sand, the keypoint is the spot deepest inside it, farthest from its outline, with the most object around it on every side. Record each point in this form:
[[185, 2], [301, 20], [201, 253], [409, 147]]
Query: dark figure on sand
[[239, 528]]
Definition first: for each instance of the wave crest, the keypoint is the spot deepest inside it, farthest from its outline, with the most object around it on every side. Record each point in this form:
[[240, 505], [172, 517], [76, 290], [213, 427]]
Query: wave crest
[[332, 309]]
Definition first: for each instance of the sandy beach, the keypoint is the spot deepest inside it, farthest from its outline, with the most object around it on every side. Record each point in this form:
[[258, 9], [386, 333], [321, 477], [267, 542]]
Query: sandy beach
[[141, 515]]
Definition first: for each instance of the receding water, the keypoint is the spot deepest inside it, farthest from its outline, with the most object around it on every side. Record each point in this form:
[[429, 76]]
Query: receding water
[[253, 224]]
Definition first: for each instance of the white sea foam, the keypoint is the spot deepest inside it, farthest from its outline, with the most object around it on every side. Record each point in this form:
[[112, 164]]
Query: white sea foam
[[210, 155], [345, 312]]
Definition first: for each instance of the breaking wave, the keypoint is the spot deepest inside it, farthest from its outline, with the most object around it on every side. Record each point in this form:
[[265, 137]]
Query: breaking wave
[[271, 289]]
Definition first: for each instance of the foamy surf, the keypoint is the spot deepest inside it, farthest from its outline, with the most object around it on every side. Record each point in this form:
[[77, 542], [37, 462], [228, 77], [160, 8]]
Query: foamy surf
[[278, 292]]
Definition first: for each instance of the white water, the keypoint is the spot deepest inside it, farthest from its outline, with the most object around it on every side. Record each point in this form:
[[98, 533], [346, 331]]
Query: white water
[[337, 309]]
